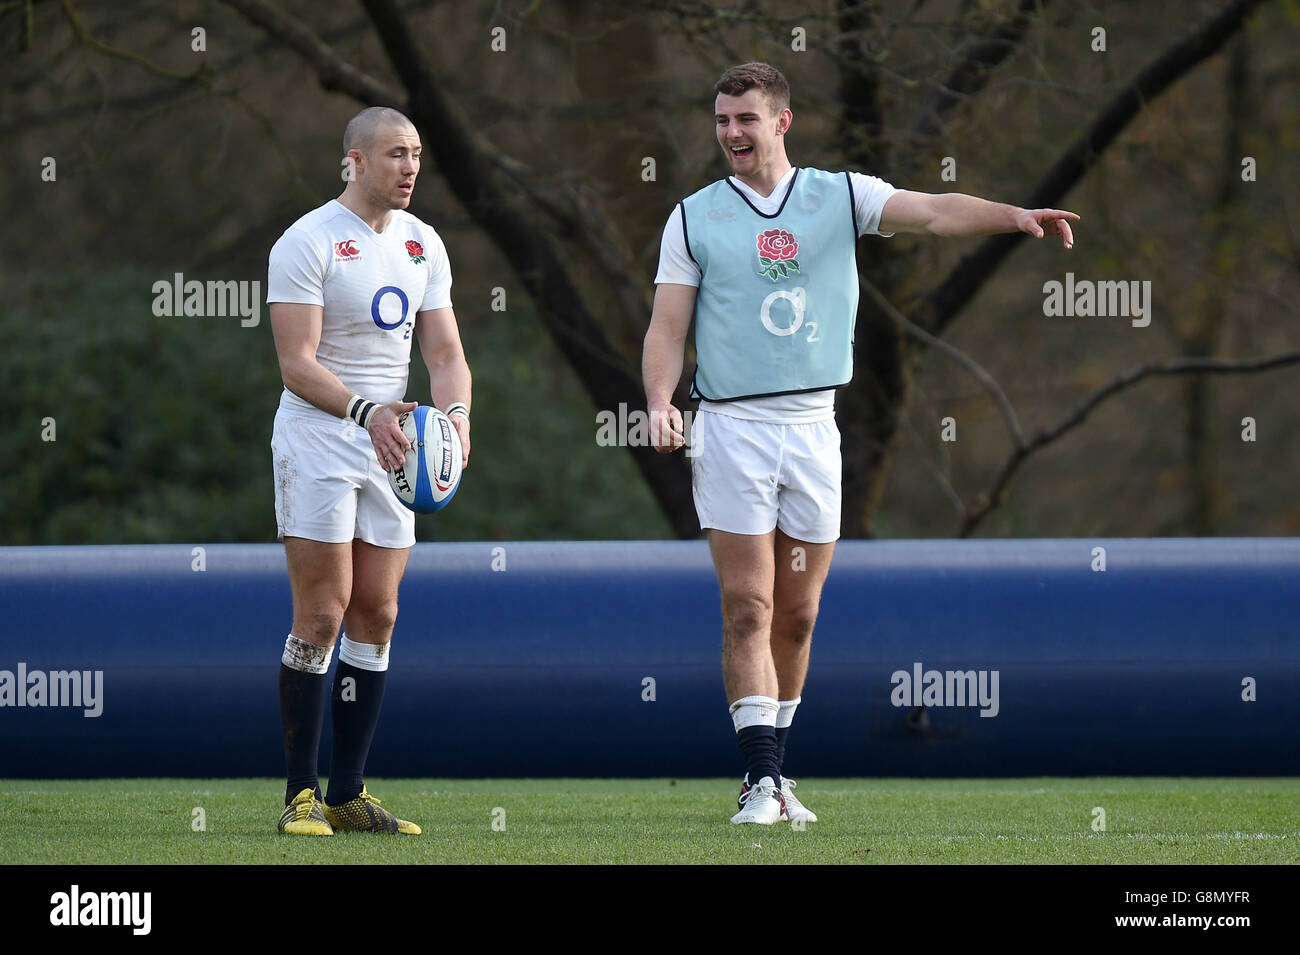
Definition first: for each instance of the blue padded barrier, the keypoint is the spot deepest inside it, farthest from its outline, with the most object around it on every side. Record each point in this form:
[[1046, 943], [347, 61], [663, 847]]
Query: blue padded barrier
[[540, 668]]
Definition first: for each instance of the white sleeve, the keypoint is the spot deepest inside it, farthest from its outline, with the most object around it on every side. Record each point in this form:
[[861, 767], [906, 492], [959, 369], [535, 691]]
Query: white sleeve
[[869, 197], [296, 272], [676, 267], [437, 294]]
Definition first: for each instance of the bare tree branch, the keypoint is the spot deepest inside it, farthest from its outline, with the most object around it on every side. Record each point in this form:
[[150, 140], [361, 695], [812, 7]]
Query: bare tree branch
[[579, 211], [202, 76], [29, 28], [861, 107], [870, 408], [993, 497], [131, 102], [939, 471], [956, 354], [979, 57], [335, 73], [184, 87], [942, 305], [468, 163]]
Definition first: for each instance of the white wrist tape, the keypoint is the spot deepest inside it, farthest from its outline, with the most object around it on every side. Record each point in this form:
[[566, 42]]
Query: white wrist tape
[[360, 410]]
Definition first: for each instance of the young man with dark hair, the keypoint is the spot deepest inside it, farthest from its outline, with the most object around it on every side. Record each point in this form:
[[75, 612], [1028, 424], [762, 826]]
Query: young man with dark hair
[[764, 262]]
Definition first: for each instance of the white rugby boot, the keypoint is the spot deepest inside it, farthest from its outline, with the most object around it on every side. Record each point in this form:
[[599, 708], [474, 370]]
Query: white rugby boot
[[795, 811], [762, 804]]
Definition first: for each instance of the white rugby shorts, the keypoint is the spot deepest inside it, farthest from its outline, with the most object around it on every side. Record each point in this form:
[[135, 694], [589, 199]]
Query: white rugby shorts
[[329, 485], [750, 477]]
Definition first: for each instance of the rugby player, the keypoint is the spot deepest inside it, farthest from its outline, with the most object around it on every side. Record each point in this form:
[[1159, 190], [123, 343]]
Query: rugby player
[[351, 285], [764, 262]]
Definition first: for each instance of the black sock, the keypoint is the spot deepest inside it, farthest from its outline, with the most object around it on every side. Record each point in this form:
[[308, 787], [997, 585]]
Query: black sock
[[782, 734], [356, 713], [758, 745], [302, 713]]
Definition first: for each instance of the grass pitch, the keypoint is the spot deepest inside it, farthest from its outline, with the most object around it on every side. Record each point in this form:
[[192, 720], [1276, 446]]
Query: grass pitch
[[1147, 821]]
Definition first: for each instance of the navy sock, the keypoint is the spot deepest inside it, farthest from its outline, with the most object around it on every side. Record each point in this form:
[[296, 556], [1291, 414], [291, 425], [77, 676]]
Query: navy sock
[[356, 713], [758, 745], [302, 713], [782, 734]]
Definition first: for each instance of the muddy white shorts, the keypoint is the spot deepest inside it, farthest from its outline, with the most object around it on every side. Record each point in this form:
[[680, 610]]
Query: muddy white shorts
[[329, 485], [750, 477]]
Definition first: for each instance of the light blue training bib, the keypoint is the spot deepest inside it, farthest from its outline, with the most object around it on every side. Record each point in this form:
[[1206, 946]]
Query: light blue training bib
[[778, 296]]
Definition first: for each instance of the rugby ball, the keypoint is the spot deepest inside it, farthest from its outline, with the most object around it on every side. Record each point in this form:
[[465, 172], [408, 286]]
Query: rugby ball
[[428, 480]]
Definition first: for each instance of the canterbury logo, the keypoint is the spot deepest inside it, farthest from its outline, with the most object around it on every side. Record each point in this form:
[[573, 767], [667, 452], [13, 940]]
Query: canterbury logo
[[347, 248]]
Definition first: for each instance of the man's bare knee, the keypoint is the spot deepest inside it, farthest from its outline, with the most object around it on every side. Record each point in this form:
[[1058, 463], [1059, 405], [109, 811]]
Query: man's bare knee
[[374, 622], [795, 623], [321, 626], [746, 617]]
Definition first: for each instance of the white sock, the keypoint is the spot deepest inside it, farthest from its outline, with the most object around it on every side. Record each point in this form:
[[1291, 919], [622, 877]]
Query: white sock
[[753, 711], [785, 715], [306, 657], [364, 656]]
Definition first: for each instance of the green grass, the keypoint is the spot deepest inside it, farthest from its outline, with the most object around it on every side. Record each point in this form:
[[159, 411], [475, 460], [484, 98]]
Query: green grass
[[1148, 821]]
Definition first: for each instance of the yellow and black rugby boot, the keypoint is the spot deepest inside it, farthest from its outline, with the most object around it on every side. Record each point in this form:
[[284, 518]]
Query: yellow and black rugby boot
[[303, 816], [364, 814]]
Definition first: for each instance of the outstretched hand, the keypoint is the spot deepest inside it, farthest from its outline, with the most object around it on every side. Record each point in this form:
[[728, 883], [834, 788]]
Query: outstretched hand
[[1041, 222]]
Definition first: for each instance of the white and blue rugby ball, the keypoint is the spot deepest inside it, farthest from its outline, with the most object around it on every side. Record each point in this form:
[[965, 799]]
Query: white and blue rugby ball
[[429, 479]]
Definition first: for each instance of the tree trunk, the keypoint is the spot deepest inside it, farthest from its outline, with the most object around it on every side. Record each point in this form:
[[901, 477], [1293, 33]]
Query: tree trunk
[[1204, 499]]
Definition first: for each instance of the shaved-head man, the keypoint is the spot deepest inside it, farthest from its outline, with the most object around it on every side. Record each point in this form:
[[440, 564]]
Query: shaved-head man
[[351, 284], [362, 128]]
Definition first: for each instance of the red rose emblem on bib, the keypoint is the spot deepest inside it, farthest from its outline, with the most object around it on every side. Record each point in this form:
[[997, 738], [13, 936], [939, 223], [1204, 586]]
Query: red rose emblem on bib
[[776, 253], [415, 251]]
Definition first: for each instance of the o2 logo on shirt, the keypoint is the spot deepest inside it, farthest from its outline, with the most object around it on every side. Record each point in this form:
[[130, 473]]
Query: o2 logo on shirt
[[406, 308], [797, 300]]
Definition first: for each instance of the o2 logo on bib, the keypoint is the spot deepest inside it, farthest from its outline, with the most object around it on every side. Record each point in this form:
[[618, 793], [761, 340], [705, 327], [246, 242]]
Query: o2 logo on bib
[[379, 318], [797, 298]]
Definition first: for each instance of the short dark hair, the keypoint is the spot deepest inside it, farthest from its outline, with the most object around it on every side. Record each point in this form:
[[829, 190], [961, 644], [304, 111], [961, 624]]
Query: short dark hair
[[748, 76]]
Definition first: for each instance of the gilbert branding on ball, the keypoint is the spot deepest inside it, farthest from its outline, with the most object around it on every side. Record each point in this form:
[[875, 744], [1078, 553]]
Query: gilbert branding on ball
[[431, 475]]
